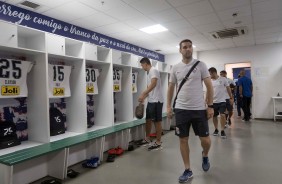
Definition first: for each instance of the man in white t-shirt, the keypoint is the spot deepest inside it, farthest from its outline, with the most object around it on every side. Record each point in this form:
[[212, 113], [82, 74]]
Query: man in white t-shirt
[[191, 108], [155, 103], [220, 85], [229, 107]]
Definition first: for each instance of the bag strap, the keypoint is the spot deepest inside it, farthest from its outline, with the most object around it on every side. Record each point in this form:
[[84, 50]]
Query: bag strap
[[183, 81]]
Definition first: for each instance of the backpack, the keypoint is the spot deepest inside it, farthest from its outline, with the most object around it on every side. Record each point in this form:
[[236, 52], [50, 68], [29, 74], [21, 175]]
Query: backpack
[[57, 122], [8, 135]]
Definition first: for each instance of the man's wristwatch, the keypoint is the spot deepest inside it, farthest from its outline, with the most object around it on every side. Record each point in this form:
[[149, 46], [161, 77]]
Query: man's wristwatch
[[210, 106]]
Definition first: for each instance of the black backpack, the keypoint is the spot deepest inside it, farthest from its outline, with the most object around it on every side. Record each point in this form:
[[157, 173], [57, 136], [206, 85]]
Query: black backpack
[[57, 121], [8, 135]]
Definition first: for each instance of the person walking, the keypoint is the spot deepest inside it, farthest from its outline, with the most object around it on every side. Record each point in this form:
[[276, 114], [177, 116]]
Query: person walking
[[246, 93], [190, 106], [220, 86]]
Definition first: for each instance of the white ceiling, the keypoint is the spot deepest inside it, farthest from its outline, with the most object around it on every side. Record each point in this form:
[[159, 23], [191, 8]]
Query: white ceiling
[[192, 19]]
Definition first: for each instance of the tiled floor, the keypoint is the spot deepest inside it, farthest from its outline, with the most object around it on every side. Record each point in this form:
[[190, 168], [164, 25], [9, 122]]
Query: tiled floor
[[251, 154]]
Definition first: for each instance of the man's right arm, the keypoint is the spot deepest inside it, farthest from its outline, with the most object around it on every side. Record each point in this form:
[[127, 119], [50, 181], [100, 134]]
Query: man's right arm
[[170, 91]]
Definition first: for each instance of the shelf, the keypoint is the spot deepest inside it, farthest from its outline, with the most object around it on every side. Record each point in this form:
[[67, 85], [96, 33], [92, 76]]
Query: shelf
[[73, 48], [21, 51], [96, 62], [60, 57], [103, 54], [96, 127], [23, 145], [31, 39], [63, 136]]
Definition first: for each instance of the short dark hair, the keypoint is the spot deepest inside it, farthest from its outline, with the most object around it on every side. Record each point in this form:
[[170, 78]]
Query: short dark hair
[[212, 70], [186, 40], [145, 60], [223, 72]]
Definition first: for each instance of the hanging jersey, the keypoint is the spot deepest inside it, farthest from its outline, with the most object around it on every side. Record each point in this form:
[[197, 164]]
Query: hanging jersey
[[134, 82], [57, 123], [8, 136], [117, 75], [91, 81], [90, 111], [59, 77], [13, 74]]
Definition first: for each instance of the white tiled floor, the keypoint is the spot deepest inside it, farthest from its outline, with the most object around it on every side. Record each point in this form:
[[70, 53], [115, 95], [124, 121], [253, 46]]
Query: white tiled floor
[[251, 154]]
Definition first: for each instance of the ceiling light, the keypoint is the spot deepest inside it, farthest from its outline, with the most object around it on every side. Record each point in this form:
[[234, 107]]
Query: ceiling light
[[153, 29]]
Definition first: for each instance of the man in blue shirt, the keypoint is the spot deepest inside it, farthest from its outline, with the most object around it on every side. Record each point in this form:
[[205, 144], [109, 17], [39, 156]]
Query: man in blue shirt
[[246, 93]]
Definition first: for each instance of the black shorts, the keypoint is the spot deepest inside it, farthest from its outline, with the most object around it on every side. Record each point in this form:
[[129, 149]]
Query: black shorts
[[154, 111], [229, 107], [219, 108], [198, 119]]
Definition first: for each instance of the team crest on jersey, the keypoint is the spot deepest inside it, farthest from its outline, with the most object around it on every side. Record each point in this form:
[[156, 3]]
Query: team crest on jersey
[[58, 91], [89, 89], [10, 90]]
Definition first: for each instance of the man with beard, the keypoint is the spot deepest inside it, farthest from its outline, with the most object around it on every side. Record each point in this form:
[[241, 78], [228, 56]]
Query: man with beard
[[191, 108]]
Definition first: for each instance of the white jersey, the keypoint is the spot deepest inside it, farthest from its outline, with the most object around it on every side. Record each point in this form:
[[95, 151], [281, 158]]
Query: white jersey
[[13, 74], [91, 81], [134, 82], [230, 81], [219, 88], [191, 95], [117, 76], [156, 94], [59, 81]]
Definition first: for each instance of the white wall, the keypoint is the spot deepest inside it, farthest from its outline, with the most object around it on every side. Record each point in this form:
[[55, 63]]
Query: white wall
[[172, 59], [266, 63]]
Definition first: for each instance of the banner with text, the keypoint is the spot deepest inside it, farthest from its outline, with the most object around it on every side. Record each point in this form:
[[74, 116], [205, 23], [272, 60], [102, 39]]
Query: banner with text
[[34, 20]]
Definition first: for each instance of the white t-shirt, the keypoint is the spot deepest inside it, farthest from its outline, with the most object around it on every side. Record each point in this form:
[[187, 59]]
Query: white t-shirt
[[59, 81], [219, 89], [156, 94], [117, 76], [230, 81], [91, 81], [134, 82], [191, 96], [13, 74]]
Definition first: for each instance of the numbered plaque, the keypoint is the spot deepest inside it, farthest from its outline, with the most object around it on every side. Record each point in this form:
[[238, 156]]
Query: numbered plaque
[[134, 82], [117, 75], [91, 81], [59, 77], [13, 75]]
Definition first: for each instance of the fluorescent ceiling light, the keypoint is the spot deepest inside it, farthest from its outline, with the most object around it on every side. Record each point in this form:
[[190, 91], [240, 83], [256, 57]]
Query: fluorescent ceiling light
[[194, 46], [153, 29]]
